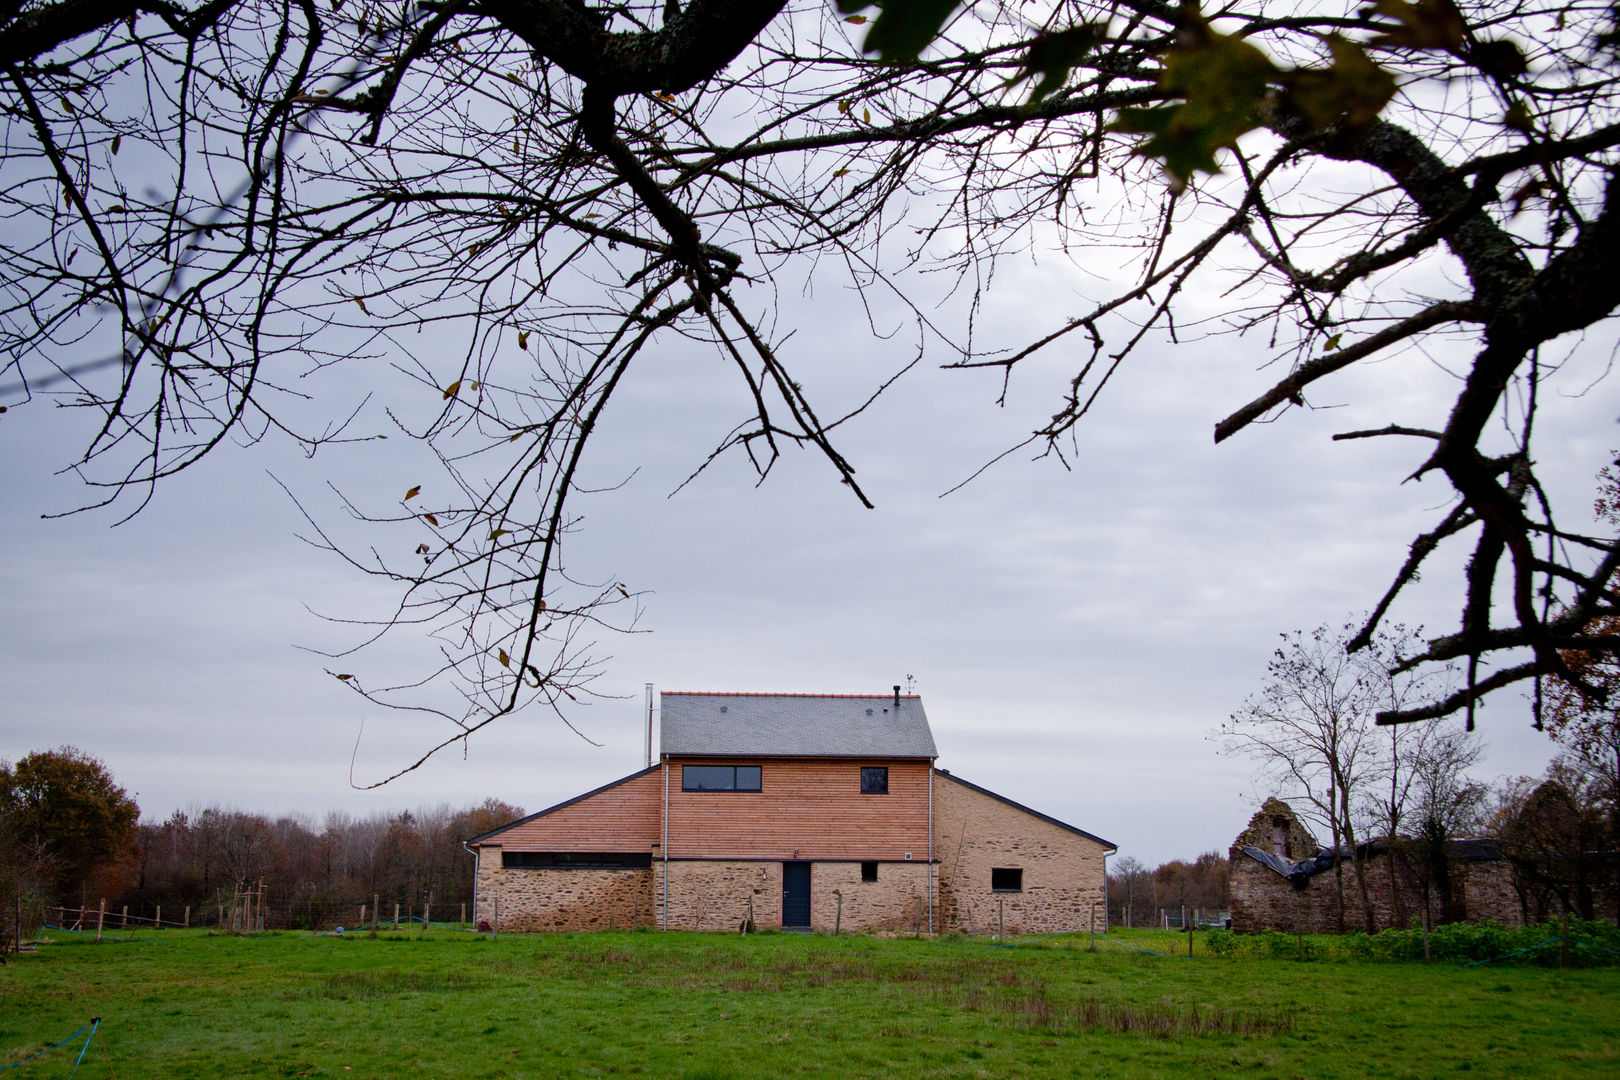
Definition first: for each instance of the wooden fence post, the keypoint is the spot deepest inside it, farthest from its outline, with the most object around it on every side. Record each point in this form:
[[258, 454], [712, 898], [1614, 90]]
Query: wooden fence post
[[396, 915], [463, 911], [188, 917], [157, 920], [495, 917], [101, 917]]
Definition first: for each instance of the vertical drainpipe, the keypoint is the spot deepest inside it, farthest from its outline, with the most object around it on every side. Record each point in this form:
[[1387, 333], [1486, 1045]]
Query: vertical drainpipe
[[478, 862], [931, 844], [665, 759], [1106, 853]]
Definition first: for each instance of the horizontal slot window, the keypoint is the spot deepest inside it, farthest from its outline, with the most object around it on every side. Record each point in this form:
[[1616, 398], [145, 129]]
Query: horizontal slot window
[[720, 777], [576, 860]]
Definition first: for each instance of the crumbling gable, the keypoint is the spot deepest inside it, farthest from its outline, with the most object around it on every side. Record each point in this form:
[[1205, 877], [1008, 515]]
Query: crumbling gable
[[1276, 829]]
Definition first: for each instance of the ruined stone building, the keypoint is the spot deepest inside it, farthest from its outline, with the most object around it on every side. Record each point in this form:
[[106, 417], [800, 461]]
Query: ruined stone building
[[798, 811], [1282, 879]]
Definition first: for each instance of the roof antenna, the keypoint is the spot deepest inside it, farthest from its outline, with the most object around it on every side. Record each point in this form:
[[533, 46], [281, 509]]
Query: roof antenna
[[897, 696]]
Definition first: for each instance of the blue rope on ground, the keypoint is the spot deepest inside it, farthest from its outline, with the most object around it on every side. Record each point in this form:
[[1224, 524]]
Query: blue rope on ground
[[95, 1022], [1138, 948], [91, 1025], [1589, 945], [1509, 956]]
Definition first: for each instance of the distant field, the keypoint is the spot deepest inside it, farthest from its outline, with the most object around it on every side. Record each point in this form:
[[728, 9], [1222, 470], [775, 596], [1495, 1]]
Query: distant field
[[181, 1004]]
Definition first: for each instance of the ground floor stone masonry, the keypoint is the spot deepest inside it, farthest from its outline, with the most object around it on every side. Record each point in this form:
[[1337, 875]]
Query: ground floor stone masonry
[[563, 899]]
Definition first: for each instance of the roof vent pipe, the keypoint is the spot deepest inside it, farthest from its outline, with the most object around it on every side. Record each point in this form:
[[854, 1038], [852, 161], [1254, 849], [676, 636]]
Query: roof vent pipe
[[897, 696]]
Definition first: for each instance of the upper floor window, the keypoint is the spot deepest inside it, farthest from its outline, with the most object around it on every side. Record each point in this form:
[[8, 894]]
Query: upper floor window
[[874, 779], [719, 777]]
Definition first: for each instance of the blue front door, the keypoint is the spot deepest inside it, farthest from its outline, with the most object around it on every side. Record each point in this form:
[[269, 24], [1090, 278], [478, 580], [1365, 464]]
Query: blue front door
[[795, 894]]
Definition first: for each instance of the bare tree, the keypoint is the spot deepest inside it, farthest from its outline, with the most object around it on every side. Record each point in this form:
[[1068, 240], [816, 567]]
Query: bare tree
[[1128, 883], [566, 183], [1312, 730]]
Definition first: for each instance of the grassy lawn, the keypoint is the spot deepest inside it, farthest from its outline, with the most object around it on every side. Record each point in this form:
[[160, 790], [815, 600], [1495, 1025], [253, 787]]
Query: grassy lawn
[[183, 1004]]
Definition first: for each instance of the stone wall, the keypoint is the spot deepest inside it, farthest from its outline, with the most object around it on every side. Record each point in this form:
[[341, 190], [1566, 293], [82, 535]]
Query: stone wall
[[562, 899], [1273, 818], [893, 902], [1264, 899], [718, 895], [705, 895], [976, 832]]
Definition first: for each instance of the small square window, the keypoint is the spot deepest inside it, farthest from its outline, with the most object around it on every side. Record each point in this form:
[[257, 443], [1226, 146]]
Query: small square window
[[874, 779], [868, 871], [1006, 879]]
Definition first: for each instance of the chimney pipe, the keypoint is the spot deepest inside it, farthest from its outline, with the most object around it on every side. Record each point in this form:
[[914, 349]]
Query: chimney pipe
[[649, 724], [897, 696]]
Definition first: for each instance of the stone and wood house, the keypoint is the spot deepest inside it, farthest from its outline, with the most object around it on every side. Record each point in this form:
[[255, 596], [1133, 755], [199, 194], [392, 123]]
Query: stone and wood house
[[1282, 879], [798, 811]]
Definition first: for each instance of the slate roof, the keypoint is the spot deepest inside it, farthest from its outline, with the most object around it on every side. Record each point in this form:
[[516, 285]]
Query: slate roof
[[794, 725]]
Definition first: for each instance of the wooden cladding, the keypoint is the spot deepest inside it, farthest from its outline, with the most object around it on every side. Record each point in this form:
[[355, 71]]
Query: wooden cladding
[[806, 809], [624, 817]]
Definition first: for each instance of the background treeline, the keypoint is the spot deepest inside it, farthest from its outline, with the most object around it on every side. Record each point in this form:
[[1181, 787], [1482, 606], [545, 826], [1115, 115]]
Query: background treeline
[[71, 838], [315, 875], [1140, 896]]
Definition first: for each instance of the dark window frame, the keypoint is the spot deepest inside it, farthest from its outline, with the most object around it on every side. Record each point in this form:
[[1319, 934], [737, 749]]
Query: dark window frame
[[869, 871], [874, 779], [710, 781], [576, 860], [1006, 879]]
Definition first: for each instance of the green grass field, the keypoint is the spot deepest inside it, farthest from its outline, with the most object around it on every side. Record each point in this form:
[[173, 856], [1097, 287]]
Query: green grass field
[[179, 1005]]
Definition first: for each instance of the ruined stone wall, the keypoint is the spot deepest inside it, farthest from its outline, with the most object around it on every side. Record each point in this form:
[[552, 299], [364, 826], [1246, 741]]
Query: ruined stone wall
[[1263, 899], [1489, 893], [1261, 832]]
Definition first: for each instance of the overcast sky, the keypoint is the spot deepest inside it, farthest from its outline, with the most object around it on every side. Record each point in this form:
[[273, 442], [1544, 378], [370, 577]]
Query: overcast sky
[[1075, 634]]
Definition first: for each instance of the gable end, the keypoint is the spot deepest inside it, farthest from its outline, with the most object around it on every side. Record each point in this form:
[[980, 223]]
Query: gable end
[[563, 805]]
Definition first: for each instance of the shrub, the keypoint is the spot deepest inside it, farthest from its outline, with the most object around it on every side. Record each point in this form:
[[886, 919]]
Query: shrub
[[1222, 943]]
